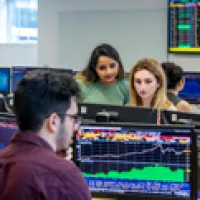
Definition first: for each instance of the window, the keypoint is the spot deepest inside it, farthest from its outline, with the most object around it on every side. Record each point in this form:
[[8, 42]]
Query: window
[[3, 20], [20, 19], [2, 2]]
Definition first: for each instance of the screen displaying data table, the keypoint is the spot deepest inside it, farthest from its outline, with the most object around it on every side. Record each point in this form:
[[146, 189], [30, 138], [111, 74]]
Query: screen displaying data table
[[184, 26]]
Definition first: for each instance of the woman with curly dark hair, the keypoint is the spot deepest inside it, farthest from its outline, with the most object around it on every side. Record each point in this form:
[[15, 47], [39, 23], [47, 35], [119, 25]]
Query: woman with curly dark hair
[[103, 80]]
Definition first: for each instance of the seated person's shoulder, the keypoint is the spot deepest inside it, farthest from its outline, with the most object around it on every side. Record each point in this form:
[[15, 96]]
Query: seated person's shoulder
[[184, 106], [68, 178], [23, 170], [59, 180]]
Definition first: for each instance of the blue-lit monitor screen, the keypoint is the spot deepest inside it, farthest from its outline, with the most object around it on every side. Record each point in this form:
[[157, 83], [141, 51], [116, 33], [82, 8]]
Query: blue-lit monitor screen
[[18, 73], [8, 128], [191, 90], [135, 160], [4, 80]]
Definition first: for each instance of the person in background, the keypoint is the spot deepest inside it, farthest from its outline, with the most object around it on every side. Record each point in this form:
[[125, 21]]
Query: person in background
[[46, 113], [175, 83], [147, 85], [103, 80]]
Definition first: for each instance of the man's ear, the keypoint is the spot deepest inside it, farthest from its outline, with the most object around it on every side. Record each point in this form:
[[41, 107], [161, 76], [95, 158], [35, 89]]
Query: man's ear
[[53, 122]]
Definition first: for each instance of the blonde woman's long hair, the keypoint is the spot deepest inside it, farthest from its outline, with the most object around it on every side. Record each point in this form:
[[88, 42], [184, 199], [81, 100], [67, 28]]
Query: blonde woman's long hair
[[159, 100]]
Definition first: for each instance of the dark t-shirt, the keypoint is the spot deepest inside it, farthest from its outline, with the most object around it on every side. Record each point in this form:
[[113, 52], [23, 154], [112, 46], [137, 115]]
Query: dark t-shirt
[[174, 98], [30, 170]]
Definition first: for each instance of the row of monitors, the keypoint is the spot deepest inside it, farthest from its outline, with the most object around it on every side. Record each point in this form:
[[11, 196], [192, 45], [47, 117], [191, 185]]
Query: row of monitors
[[9, 77], [126, 160], [191, 91]]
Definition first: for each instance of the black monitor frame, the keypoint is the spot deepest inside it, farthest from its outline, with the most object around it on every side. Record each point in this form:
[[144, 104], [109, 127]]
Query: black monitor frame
[[9, 80], [191, 100], [117, 113], [177, 117], [193, 177]]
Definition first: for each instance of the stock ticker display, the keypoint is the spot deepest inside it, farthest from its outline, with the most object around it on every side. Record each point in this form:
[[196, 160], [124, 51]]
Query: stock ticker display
[[184, 26], [128, 160]]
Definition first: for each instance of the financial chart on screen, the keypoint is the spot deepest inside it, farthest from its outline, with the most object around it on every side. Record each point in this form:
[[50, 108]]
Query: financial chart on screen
[[133, 160], [184, 26]]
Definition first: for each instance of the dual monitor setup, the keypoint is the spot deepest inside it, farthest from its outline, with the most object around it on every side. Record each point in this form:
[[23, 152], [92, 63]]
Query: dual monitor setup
[[123, 154]]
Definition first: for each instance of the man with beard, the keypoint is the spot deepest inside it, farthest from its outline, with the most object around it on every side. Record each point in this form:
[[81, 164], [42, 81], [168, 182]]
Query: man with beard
[[46, 113]]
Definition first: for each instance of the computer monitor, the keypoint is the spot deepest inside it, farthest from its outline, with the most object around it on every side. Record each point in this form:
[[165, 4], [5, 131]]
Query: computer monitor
[[4, 80], [18, 72], [191, 90], [117, 113], [8, 128], [142, 161], [177, 117]]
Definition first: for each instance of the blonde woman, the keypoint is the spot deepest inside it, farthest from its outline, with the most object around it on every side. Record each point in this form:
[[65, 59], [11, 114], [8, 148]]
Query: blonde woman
[[148, 85]]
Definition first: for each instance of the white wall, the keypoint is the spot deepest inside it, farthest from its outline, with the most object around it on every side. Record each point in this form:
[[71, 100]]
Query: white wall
[[75, 5], [48, 32], [131, 32], [189, 62], [48, 25], [49, 40], [18, 54]]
